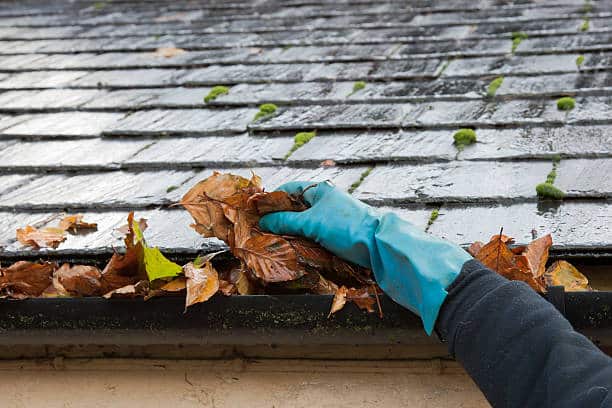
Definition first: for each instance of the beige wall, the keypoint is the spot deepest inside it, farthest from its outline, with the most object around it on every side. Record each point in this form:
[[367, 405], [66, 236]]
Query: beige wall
[[234, 383]]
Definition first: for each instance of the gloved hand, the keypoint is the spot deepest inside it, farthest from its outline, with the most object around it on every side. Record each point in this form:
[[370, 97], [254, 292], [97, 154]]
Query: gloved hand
[[412, 267]]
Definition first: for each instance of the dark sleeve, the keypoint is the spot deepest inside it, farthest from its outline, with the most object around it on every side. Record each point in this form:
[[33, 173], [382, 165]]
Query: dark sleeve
[[517, 347]]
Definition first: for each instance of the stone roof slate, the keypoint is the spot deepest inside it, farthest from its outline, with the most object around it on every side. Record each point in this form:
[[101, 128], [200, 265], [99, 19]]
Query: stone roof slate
[[92, 120]]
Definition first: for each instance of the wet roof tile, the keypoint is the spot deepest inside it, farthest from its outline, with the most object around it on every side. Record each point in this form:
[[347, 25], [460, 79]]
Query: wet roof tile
[[92, 119]]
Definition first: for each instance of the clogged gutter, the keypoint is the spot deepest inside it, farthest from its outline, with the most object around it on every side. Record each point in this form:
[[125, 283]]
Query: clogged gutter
[[228, 207]]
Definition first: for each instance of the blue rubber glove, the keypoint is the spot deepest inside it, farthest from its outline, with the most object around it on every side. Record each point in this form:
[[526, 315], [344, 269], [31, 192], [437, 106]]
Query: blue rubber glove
[[412, 267]]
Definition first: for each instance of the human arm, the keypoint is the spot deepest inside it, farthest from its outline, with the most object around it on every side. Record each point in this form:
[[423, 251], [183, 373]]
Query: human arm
[[517, 347]]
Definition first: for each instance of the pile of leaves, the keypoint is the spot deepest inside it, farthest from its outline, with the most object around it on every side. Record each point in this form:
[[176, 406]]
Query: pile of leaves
[[228, 207], [527, 263]]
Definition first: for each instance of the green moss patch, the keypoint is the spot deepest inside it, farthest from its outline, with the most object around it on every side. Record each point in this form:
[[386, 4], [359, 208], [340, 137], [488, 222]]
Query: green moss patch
[[300, 140], [464, 137], [267, 109], [579, 61], [215, 92], [517, 38], [566, 103], [494, 85], [358, 86], [432, 217], [362, 177], [549, 191], [586, 23]]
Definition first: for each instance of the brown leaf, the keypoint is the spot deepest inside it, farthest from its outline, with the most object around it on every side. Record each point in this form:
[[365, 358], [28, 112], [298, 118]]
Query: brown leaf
[[80, 280], [496, 255], [227, 288], [244, 285], [271, 258], [276, 201], [206, 201], [125, 269], [562, 273], [139, 289], [475, 248], [537, 254], [168, 52], [202, 283], [125, 229], [361, 297], [24, 279], [75, 223], [327, 163], [40, 238], [339, 300]]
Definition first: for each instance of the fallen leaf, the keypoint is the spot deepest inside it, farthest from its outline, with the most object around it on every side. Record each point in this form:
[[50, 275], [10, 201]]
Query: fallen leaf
[[227, 288], [139, 289], [202, 283], [168, 52], [537, 254], [563, 273], [339, 300], [497, 256], [80, 280], [75, 223], [24, 279], [175, 285], [475, 248], [125, 269], [328, 163], [125, 228], [361, 297], [41, 238], [271, 258], [276, 201]]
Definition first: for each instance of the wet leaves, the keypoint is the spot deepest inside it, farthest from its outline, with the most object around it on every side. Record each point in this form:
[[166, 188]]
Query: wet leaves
[[40, 238], [228, 207], [75, 223], [562, 273], [527, 263], [52, 237], [26, 279]]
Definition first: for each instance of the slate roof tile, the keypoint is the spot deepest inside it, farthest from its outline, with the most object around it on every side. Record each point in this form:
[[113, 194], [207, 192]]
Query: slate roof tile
[[92, 120]]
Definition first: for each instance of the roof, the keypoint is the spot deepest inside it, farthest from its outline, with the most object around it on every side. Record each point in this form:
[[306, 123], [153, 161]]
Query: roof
[[92, 120]]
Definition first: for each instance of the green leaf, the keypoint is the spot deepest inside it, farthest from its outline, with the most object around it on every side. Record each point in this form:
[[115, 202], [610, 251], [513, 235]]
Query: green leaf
[[156, 264]]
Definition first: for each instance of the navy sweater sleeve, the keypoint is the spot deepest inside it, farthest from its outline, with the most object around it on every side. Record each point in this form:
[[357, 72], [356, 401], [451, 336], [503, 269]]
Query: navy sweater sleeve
[[517, 347]]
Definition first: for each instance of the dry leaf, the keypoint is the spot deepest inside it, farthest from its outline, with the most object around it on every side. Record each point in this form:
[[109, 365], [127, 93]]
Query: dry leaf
[[537, 254], [328, 163], [562, 273], [25, 279], [497, 256], [75, 223], [41, 238], [475, 248], [227, 288], [80, 280], [125, 229], [276, 201], [168, 52], [139, 289], [202, 283], [125, 269], [361, 297], [229, 207], [271, 258], [339, 300]]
